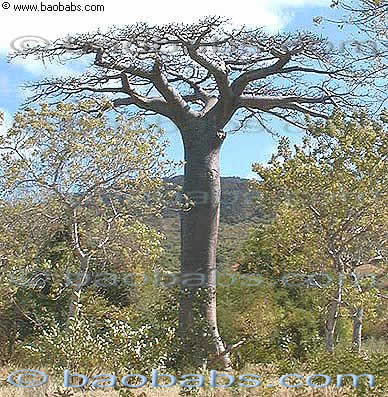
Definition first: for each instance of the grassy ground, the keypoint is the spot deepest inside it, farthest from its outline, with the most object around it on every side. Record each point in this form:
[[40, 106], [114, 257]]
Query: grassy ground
[[54, 388]]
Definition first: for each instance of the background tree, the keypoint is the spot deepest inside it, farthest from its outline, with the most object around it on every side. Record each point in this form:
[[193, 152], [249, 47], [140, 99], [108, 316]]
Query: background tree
[[367, 20], [330, 198], [68, 177], [199, 76], [369, 16]]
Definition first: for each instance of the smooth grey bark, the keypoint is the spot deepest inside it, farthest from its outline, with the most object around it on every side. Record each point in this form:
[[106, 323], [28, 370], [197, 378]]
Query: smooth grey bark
[[357, 329], [332, 315], [199, 234]]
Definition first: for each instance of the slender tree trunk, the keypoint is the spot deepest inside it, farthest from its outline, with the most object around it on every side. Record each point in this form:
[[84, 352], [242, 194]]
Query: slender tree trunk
[[357, 329], [199, 233], [332, 315], [76, 289], [83, 275]]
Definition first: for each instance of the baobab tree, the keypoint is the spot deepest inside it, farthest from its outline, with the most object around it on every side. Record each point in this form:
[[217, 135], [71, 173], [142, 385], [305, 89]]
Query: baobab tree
[[199, 76]]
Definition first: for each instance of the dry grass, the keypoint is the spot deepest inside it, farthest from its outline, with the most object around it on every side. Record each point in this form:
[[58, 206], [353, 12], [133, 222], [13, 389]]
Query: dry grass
[[54, 388]]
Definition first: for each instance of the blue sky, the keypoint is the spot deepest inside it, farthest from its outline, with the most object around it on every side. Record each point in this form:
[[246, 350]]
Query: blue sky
[[240, 150]]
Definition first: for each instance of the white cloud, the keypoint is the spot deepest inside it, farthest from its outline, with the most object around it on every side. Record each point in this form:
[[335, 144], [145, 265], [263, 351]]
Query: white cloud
[[299, 3], [7, 123], [51, 25], [27, 28]]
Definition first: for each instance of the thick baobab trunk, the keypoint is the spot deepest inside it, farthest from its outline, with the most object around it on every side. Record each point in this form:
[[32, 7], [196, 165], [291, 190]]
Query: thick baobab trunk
[[332, 315], [199, 233], [357, 329]]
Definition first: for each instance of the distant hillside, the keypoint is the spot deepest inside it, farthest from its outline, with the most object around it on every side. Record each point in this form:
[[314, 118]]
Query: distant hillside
[[238, 213], [237, 203]]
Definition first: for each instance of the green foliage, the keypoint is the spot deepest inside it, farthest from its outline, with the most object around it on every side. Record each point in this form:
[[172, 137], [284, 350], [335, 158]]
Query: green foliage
[[89, 346], [124, 328], [328, 199], [91, 179], [344, 361], [77, 192]]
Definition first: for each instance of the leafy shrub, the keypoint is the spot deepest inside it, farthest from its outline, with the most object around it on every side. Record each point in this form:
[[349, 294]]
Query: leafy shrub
[[345, 361], [88, 347]]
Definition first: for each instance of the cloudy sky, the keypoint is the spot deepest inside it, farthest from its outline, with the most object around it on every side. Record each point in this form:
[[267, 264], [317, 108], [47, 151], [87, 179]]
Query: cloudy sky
[[19, 28]]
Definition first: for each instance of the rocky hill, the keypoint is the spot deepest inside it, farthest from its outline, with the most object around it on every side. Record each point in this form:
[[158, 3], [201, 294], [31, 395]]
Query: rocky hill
[[237, 202], [238, 213]]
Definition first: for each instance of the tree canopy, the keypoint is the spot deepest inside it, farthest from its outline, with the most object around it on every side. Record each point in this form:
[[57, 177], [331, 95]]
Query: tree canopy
[[209, 70]]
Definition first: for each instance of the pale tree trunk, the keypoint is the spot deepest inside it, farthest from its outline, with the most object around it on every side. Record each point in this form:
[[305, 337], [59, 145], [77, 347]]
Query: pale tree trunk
[[76, 289], [332, 315], [83, 275], [199, 232], [357, 319], [357, 329]]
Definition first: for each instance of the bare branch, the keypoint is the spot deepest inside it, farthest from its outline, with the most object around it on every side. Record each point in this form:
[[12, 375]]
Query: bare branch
[[174, 69]]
